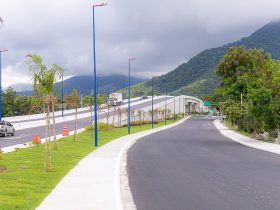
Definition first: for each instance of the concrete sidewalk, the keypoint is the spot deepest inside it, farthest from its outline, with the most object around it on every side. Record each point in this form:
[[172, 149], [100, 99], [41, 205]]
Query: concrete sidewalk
[[247, 141], [94, 183]]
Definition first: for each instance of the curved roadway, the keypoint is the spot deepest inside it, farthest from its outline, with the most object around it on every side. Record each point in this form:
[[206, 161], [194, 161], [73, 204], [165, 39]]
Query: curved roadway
[[193, 167]]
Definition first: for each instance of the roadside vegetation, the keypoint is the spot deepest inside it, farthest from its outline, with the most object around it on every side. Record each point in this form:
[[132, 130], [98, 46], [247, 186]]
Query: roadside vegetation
[[25, 184], [17, 105], [249, 94]]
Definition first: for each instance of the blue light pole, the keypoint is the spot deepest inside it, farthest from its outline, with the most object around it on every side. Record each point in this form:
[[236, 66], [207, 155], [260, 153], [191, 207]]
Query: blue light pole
[[94, 76], [1, 51], [152, 102], [62, 96], [128, 111]]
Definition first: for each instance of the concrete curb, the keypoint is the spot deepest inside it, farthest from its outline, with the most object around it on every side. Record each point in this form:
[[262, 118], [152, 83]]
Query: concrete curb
[[95, 182], [125, 192], [43, 140], [246, 141]]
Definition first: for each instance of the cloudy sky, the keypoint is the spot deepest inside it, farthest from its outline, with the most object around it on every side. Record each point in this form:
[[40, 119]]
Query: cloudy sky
[[161, 34]]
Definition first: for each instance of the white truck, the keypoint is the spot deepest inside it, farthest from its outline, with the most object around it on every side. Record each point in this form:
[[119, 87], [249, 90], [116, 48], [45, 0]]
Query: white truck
[[115, 99]]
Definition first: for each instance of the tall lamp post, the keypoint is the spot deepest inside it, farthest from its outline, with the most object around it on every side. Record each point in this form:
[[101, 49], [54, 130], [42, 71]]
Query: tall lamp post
[[94, 75], [128, 114], [1, 51], [152, 102]]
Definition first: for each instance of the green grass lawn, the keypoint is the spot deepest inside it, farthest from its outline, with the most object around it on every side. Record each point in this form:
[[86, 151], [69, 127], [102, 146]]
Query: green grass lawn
[[24, 185]]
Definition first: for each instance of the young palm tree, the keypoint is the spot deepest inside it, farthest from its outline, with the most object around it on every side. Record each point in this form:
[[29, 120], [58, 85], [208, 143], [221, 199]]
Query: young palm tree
[[168, 114], [132, 112], [150, 113], [75, 98], [43, 85], [90, 104], [114, 112], [57, 71], [156, 115], [119, 110], [139, 112], [108, 114], [144, 116]]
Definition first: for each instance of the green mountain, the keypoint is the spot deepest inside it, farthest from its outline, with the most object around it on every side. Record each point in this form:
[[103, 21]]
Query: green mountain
[[197, 77], [84, 84]]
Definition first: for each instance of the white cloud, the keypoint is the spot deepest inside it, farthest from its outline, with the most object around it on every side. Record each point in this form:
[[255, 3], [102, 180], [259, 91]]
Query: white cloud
[[160, 33]]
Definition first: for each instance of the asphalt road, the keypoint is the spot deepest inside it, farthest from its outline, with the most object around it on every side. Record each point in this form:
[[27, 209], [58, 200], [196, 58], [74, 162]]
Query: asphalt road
[[65, 114], [26, 135], [193, 167]]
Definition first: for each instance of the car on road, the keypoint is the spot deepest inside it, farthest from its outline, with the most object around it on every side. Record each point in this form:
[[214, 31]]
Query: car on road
[[6, 128]]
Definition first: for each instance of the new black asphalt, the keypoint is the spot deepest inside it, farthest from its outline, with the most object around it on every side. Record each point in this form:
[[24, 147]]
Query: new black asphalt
[[193, 167]]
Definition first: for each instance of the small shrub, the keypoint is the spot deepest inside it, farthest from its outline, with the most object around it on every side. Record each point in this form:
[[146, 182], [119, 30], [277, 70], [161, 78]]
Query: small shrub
[[1, 154], [101, 127]]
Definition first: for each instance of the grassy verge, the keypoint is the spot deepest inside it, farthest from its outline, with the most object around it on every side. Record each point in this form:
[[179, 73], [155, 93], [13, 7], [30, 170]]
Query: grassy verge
[[24, 185], [235, 128]]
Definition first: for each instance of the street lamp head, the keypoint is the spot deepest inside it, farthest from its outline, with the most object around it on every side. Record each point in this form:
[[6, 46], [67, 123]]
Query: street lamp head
[[131, 59], [5, 50], [99, 5]]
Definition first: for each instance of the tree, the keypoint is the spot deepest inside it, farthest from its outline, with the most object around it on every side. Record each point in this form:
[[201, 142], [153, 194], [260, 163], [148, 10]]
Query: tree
[[43, 85], [90, 103], [249, 91], [119, 110], [139, 112], [56, 71], [108, 114], [75, 98], [8, 99]]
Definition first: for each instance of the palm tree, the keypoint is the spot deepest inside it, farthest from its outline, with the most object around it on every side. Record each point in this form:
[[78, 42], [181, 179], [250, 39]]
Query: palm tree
[[43, 85], [132, 112], [75, 98], [90, 104], [108, 114], [144, 115], [150, 113], [114, 112], [119, 110], [168, 114], [139, 112], [57, 71]]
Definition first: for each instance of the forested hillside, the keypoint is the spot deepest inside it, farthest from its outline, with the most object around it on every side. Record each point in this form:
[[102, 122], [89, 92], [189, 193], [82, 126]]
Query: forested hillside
[[197, 77]]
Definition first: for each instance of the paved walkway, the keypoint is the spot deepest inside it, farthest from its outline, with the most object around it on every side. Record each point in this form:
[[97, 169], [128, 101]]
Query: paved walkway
[[94, 184]]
